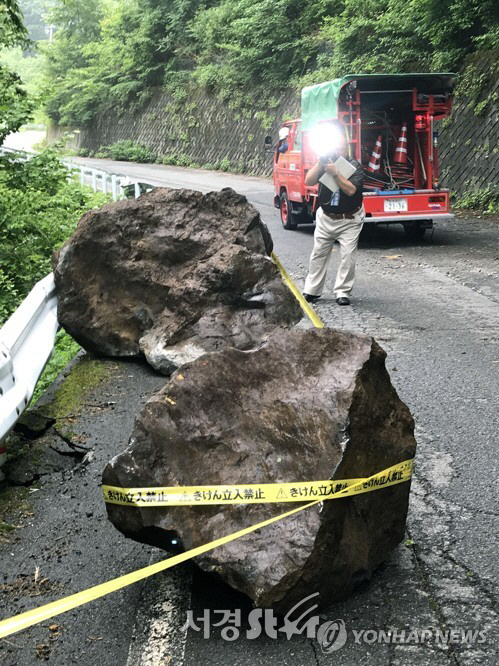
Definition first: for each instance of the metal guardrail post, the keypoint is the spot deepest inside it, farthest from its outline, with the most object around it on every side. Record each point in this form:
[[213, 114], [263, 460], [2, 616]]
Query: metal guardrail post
[[114, 186], [122, 182], [104, 182], [94, 180], [137, 190]]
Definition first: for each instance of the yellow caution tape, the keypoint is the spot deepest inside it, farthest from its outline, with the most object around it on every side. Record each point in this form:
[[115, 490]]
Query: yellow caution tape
[[28, 619], [307, 309], [254, 493]]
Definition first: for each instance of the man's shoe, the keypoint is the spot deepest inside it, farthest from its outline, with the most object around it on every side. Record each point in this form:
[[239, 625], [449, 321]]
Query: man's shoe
[[343, 300], [311, 298]]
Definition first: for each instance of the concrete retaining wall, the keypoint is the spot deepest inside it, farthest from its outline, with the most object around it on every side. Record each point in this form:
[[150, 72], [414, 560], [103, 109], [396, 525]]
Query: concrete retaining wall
[[206, 130]]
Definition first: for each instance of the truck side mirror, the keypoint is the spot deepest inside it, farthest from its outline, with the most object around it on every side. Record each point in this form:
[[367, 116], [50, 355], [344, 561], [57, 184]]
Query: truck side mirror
[[268, 145]]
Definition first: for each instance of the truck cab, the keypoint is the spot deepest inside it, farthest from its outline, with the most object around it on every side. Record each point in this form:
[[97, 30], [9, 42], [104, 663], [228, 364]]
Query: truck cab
[[390, 125]]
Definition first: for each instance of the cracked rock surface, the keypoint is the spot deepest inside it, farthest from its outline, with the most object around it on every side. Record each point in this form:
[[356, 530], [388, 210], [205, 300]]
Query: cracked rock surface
[[171, 275], [309, 405]]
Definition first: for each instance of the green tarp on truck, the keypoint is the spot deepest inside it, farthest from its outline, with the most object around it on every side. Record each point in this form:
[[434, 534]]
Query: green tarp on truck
[[320, 102]]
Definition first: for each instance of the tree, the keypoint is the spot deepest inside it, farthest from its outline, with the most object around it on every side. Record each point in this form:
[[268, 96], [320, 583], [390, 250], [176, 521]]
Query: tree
[[265, 42], [107, 54], [12, 30], [402, 35], [15, 107]]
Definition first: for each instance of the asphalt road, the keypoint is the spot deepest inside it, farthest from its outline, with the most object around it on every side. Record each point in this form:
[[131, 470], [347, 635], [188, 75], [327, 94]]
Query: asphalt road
[[434, 306]]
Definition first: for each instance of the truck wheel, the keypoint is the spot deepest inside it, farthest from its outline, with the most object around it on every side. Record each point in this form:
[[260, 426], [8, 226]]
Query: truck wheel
[[286, 214], [414, 231]]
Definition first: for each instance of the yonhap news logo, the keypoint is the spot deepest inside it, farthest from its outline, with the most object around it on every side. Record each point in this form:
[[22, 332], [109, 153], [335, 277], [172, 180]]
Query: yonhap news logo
[[331, 635]]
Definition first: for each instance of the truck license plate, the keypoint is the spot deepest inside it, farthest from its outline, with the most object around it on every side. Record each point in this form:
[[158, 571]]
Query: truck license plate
[[395, 205]]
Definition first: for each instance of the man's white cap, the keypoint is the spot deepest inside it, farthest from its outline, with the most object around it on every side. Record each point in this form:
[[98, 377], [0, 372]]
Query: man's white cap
[[283, 133]]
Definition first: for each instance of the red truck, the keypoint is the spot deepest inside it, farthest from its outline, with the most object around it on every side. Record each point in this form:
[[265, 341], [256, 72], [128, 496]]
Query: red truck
[[389, 121]]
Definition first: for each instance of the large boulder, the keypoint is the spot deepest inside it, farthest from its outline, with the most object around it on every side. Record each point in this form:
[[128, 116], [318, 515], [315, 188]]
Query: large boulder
[[171, 275], [308, 405]]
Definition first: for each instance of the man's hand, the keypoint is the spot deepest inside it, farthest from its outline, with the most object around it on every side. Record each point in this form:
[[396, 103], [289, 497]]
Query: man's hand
[[331, 169], [313, 175], [345, 185]]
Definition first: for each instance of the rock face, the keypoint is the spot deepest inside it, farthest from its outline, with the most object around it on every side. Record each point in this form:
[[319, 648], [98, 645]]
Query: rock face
[[308, 405], [171, 275]]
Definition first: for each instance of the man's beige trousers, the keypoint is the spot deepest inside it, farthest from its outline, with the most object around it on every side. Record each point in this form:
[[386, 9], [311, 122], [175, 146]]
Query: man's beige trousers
[[327, 231]]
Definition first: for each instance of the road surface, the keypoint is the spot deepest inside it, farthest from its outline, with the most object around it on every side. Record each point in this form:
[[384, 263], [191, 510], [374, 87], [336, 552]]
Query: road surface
[[434, 307], [26, 140]]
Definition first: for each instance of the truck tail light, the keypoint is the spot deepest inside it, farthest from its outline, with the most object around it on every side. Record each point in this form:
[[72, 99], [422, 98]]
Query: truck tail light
[[437, 198], [420, 122]]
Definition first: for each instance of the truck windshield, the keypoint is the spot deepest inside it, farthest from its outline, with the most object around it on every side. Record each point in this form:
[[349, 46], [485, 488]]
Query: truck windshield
[[297, 141]]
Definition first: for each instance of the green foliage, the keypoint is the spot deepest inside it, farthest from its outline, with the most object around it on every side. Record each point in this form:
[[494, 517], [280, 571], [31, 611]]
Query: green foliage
[[266, 119], [224, 165], [240, 167], [394, 36], [15, 108], [69, 87], [178, 159], [103, 56], [44, 172], [243, 42], [485, 199], [183, 160], [65, 348], [28, 66], [38, 207], [12, 29], [127, 151], [107, 55], [38, 211]]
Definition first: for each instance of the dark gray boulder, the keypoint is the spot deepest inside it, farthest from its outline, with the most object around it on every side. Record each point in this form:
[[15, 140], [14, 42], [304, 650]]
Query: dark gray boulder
[[171, 275], [308, 405]]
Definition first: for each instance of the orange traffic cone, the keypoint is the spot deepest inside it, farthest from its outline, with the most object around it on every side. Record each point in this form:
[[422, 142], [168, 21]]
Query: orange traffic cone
[[375, 161], [400, 156]]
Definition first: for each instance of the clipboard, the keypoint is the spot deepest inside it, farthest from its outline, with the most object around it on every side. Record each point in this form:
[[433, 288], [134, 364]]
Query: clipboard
[[344, 167]]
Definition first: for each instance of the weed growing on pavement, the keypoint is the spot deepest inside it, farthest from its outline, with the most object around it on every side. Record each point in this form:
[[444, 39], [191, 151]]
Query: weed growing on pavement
[[485, 199]]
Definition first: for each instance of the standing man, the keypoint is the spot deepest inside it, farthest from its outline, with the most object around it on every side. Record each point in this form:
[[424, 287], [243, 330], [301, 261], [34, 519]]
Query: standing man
[[340, 217]]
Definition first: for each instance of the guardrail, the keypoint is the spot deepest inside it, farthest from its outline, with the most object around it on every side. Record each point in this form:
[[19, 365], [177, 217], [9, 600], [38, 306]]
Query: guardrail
[[26, 342], [22, 155], [96, 176], [120, 186]]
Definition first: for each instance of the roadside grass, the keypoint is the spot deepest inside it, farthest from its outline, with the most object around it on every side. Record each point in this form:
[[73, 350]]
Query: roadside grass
[[65, 349], [129, 151], [483, 200]]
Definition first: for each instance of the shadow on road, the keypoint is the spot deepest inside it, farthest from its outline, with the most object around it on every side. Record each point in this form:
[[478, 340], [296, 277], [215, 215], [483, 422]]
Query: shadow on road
[[393, 235]]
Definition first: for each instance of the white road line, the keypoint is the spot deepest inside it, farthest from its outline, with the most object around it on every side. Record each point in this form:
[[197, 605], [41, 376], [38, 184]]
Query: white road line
[[157, 639]]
